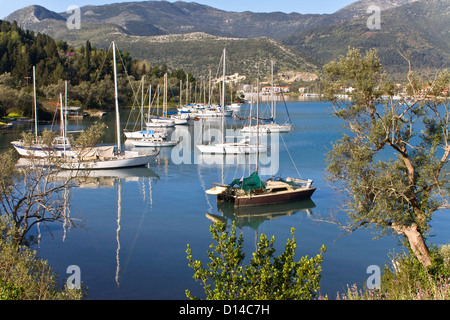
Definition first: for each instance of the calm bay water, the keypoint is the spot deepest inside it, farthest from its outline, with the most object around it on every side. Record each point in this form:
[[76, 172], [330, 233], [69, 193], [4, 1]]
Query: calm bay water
[[138, 222]]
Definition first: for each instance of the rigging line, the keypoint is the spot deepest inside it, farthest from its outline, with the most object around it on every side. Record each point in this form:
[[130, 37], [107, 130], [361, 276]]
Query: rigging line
[[98, 72], [173, 93], [287, 111], [129, 115], [126, 72], [292, 160]]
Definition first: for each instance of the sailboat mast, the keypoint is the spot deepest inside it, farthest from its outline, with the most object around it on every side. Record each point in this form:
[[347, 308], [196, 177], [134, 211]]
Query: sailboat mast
[[209, 89], [116, 96], [142, 103], [165, 96], [181, 93], [149, 101], [65, 113], [62, 114], [35, 104], [274, 112], [251, 107], [257, 124], [63, 131], [187, 89], [223, 96]]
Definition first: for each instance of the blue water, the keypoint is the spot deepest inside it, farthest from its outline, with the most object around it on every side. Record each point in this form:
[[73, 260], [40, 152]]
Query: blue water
[[137, 224]]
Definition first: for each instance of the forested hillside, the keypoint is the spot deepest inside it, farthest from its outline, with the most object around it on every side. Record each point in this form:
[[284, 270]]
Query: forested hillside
[[87, 69]]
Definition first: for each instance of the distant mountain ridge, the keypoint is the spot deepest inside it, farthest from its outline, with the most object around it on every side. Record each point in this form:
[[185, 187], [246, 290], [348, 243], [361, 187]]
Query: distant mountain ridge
[[148, 30], [29, 16], [419, 29], [359, 8], [149, 18]]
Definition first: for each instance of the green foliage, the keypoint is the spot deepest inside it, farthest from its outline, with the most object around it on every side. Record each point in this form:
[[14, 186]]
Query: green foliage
[[23, 276], [91, 136], [266, 277], [9, 291]]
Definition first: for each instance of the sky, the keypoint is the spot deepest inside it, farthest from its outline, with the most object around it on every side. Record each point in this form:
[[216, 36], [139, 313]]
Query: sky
[[287, 6]]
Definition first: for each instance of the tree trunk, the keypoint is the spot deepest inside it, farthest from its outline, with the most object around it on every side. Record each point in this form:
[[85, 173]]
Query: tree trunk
[[416, 242]]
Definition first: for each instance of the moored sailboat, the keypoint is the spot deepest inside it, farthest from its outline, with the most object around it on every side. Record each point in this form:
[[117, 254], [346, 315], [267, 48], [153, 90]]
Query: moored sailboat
[[272, 126], [244, 146], [253, 191], [107, 157], [38, 148], [164, 121]]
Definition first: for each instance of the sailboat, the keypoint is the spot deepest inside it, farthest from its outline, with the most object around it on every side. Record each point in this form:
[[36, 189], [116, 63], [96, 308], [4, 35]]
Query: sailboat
[[108, 157], [148, 137], [38, 148], [162, 122], [272, 126], [143, 132], [252, 191], [180, 118], [243, 146], [151, 138]]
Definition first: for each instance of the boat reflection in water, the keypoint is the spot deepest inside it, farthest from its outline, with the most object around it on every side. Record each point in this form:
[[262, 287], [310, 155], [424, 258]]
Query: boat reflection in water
[[100, 179], [117, 179], [254, 216]]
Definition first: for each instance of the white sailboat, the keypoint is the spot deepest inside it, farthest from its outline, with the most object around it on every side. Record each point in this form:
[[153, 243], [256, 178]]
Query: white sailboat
[[181, 118], [152, 142], [253, 191], [108, 157], [242, 147], [147, 132], [142, 132], [272, 126], [162, 122], [206, 109], [150, 138], [38, 148]]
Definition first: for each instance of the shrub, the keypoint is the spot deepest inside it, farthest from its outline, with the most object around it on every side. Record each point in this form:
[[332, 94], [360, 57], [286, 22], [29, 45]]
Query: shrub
[[265, 278], [410, 280], [23, 276]]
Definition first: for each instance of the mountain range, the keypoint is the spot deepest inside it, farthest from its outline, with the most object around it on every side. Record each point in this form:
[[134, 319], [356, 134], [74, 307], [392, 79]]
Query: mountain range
[[192, 36]]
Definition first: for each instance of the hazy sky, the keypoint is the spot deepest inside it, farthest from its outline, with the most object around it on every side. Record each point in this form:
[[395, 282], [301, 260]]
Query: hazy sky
[[288, 6]]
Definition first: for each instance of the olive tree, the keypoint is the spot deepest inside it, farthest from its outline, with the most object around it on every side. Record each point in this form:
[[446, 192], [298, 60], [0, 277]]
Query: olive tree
[[390, 161], [266, 277]]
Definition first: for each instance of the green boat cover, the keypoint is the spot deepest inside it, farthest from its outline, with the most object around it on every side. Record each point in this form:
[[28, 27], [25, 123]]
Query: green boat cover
[[253, 182]]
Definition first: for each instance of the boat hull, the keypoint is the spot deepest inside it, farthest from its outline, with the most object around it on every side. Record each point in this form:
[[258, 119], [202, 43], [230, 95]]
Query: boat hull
[[232, 148], [267, 129], [126, 161], [39, 152], [162, 124], [152, 143], [267, 198], [144, 134]]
